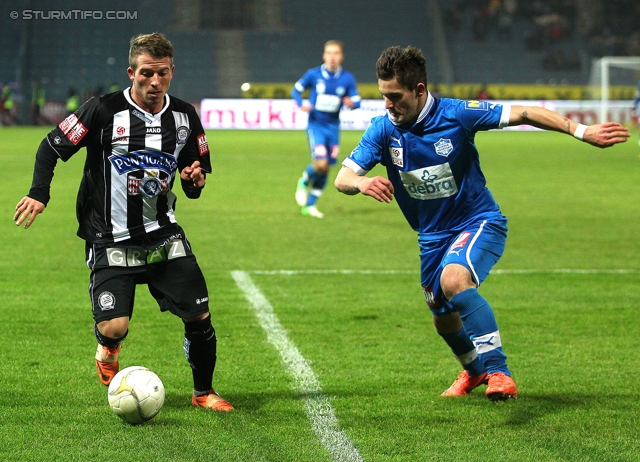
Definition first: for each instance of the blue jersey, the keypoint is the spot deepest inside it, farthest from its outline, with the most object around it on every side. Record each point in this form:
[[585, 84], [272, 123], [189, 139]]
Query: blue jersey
[[636, 102], [327, 90], [434, 164]]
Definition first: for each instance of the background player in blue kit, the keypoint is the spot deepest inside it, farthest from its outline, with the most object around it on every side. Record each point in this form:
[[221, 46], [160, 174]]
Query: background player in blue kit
[[427, 146], [331, 88], [636, 111]]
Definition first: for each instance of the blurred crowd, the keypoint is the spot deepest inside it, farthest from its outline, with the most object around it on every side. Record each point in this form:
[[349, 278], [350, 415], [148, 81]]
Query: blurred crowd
[[562, 29]]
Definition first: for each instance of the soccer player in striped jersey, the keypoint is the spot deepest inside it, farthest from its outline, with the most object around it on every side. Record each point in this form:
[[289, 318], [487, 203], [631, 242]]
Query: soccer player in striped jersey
[[433, 171], [331, 87], [137, 141]]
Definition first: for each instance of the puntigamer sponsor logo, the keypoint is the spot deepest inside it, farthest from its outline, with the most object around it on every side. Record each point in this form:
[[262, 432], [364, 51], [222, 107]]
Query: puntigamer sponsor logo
[[142, 160], [434, 182]]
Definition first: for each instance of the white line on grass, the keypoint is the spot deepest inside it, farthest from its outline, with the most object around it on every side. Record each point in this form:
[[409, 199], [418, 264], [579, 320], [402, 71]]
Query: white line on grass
[[323, 420], [497, 271]]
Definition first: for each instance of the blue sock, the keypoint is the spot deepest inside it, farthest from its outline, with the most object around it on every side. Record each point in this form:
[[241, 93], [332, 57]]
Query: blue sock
[[317, 188], [309, 175], [480, 323], [464, 351]]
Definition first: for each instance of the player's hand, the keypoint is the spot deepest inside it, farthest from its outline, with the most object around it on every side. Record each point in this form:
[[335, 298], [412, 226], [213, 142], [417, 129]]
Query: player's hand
[[194, 174], [347, 101], [306, 107], [606, 134], [27, 209], [378, 187]]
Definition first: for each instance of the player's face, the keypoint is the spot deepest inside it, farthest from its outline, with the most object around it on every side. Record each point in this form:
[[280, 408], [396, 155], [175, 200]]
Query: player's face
[[404, 105], [332, 57], [151, 81]]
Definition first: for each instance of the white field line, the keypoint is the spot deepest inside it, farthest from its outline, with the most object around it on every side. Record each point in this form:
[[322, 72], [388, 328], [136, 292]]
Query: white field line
[[496, 271], [323, 420]]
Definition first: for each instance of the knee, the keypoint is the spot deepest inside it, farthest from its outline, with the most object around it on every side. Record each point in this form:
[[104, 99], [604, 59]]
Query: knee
[[455, 279], [114, 328], [321, 166]]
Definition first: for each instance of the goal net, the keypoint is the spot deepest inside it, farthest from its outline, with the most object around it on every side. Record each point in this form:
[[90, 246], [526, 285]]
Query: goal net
[[613, 78]]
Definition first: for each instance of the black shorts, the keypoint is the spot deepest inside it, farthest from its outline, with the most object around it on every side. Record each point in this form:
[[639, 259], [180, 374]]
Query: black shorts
[[176, 283]]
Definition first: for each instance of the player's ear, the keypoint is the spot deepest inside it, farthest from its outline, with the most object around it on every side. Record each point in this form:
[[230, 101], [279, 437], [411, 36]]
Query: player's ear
[[420, 89], [130, 73]]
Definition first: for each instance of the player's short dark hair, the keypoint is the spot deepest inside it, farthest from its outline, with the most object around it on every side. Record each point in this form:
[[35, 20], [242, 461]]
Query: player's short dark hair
[[407, 65], [154, 44]]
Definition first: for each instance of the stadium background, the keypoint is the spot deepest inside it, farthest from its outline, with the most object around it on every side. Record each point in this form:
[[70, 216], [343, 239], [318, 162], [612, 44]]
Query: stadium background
[[521, 50]]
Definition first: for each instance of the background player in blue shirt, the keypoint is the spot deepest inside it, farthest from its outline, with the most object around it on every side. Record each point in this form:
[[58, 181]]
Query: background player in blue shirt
[[636, 110], [331, 88], [427, 146]]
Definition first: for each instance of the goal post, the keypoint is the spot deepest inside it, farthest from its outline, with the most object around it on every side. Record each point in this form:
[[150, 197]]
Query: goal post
[[613, 77]]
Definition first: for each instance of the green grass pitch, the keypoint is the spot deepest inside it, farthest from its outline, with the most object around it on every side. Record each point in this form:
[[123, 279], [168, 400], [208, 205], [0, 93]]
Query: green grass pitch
[[351, 305]]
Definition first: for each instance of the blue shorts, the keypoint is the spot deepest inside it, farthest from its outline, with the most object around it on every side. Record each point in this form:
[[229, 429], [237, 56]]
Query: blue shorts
[[477, 247], [324, 140]]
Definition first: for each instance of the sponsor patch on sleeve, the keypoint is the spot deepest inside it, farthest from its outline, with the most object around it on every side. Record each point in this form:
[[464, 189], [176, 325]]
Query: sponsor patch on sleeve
[[476, 105], [73, 129], [203, 145]]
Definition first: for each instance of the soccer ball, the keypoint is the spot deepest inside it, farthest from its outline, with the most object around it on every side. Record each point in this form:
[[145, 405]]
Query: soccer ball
[[136, 394]]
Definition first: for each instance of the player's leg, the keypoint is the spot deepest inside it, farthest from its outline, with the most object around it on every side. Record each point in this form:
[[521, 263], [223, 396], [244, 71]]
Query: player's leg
[[446, 321], [466, 265], [325, 157], [179, 286], [112, 293], [308, 177]]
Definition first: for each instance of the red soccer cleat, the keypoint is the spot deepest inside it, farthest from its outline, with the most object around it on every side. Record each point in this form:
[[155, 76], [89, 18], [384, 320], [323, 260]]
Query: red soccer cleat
[[501, 387], [107, 363], [212, 401], [464, 384]]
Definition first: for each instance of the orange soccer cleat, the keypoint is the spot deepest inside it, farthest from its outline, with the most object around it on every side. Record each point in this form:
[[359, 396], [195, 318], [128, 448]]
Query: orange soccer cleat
[[107, 363], [464, 384], [501, 387], [213, 401]]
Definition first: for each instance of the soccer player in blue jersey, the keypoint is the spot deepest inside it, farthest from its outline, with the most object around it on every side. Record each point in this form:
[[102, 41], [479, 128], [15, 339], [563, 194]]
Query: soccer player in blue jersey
[[427, 146], [331, 88], [636, 110]]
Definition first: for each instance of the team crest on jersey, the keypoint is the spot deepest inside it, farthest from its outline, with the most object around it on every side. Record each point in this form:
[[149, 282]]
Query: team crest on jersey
[[151, 186], [443, 147], [321, 87], [182, 133], [340, 91]]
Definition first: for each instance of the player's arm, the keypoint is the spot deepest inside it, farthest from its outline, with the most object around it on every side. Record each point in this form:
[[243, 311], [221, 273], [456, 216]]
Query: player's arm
[[194, 161], [34, 203], [350, 183], [296, 93], [601, 135], [352, 100]]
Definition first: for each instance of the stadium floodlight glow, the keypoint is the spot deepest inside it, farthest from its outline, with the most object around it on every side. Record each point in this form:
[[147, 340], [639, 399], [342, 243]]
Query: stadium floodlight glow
[[245, 86], [601, 73]]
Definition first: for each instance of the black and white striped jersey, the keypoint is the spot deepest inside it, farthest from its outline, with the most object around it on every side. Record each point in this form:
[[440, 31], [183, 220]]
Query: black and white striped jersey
[[132, 160]]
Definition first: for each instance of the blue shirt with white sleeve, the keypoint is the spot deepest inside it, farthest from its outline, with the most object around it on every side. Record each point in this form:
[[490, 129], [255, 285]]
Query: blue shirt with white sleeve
[[327, 90], [434, 165]]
